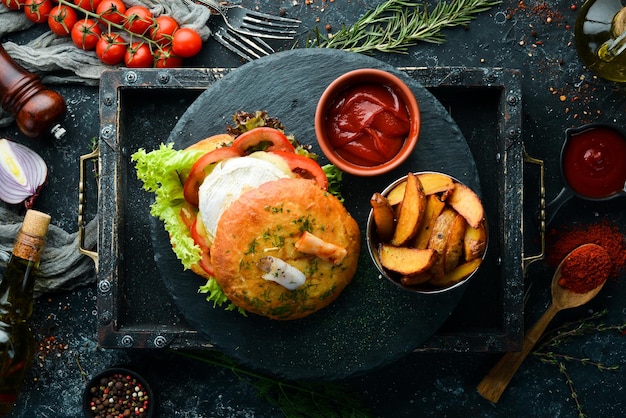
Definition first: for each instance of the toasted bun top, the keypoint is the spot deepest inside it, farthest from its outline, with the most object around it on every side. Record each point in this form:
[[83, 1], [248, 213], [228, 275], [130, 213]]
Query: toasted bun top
[[267, 221], [213, 142]]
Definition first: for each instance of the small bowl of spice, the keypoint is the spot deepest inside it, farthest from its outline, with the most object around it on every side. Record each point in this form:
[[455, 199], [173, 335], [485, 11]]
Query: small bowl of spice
[[367, 122], [118, 392]]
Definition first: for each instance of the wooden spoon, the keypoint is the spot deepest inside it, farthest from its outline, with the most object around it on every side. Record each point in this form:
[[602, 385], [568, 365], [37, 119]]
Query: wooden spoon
[[495, 382]]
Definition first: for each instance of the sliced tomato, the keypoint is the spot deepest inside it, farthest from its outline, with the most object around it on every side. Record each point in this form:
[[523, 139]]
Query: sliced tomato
[[263, 139], [305, 167], [200, 240], [201, 168]]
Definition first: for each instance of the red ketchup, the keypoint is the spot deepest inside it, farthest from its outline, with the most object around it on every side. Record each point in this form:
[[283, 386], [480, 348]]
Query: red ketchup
[[594, 162], [368, 124]]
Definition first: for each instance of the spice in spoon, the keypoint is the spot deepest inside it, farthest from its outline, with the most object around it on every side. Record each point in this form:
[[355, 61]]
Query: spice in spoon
[[586, 269]]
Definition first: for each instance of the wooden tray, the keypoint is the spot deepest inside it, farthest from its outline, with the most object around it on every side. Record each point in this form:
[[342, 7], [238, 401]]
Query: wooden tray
[[139, 108]]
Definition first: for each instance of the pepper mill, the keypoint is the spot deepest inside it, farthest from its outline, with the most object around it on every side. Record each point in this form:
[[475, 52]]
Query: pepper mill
[[37, 110]]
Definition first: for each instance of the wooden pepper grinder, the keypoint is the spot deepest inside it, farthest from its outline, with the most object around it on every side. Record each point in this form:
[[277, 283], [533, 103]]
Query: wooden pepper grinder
[[37, 110]]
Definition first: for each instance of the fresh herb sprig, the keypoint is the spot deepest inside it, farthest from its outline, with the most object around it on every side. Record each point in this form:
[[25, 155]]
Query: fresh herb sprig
[[557, 338], [395, 25], [294, 399]]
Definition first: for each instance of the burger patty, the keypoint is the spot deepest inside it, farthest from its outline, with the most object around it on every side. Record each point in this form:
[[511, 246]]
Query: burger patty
[[268, 221]]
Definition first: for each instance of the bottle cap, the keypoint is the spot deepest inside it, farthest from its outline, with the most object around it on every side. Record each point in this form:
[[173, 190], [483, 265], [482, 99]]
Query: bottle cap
[[36, 223]]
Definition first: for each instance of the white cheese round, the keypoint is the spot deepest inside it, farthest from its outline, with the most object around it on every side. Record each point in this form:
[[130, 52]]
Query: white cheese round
[[230, 179]]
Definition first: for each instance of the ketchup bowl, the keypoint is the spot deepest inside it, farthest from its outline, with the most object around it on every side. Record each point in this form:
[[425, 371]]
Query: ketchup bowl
[[593, 165], [367, 122]]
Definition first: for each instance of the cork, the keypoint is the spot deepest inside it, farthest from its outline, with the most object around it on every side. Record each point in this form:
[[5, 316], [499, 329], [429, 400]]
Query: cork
[[618, 26], [36, 223]]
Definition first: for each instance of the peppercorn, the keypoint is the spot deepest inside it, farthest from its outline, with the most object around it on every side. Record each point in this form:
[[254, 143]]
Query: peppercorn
[[118, 395]]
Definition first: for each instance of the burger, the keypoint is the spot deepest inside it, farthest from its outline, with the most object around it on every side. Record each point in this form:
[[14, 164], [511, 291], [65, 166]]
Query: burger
[[254, 215]]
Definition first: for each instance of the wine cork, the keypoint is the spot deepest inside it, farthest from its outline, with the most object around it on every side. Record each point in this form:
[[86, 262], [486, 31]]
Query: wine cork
[[618, 26], [36, 223]]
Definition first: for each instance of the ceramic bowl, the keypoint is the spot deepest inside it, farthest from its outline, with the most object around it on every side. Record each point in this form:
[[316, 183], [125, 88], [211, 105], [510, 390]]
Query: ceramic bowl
[[138, 397], [357, 79], [441, 187]]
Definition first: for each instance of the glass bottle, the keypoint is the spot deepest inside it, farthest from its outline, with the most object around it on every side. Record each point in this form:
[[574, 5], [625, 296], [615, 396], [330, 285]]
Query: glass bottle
[[600, 35], [17, 346]]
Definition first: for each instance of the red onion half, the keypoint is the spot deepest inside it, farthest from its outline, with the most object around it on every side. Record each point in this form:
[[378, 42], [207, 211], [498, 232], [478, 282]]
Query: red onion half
[[22, 172]]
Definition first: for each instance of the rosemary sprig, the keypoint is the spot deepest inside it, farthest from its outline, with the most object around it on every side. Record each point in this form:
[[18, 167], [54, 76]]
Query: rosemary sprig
[[294, 399], [395, 25], [558, 337]]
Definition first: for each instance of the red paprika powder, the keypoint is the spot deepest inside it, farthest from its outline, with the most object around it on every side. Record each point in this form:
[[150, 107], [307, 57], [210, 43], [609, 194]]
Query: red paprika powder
[[561, 242], [585, 269]]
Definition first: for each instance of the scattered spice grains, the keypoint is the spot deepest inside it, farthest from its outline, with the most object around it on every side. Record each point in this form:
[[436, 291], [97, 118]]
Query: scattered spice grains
[[119, 396], [604, 233]]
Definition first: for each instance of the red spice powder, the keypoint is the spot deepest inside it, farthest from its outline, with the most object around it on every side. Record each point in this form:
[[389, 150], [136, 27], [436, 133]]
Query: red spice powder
[[561, 242], [585, 269]]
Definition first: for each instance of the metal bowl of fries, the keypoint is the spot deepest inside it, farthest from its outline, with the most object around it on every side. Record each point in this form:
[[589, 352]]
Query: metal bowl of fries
[[427, 232]]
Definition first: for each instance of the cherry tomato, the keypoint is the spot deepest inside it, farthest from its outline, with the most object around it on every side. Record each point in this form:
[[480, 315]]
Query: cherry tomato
[[89, 5], [85, 34], [110, 48], [262, 139], [138, 19], [202, 168], [186, 42], [163, 29], [164, 58], [304, 167], [37, 10], [139, 55], [111, 11], [62, 19], [13, 4]]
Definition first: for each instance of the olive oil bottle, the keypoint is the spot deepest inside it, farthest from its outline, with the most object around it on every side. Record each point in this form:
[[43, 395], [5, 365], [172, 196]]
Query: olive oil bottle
[[600, 35], [17, 345]]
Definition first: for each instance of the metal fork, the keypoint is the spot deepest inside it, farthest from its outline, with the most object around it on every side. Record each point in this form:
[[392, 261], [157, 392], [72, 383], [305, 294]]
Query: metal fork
[[248, 48], [253, 23]]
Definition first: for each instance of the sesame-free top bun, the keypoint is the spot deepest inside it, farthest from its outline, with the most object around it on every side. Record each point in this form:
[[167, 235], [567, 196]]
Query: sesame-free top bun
[[267, 221]]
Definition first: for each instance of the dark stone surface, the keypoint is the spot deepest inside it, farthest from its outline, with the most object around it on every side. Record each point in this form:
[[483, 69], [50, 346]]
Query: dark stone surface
[[557, 93]]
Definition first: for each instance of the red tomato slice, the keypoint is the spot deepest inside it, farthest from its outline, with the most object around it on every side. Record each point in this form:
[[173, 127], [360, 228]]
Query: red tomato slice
[[262, 139], [200, 170], [188, 214], [305, 167], [205, 259]]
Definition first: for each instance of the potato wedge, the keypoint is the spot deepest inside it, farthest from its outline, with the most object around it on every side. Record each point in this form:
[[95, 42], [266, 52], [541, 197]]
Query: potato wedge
[[431, 182], [412, 209], [467, 204], [474, 242], [454, 245], [384, 217], [436, 183], [434, 207], [416, 279], [456, 275], [406, 261], [440, 237]]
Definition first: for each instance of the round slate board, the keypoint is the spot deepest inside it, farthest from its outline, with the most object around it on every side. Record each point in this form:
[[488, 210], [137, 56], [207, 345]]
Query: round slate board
[[373, 322]]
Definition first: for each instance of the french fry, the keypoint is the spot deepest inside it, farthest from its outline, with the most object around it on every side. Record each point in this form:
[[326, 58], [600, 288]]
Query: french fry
[[432, 183], [411, 214], [384, 217], [416, 279], [406, 261], [444, 231]]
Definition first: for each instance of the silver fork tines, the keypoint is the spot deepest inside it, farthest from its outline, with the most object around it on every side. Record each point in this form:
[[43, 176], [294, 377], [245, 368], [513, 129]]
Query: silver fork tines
[[253, 23], [247, 48]]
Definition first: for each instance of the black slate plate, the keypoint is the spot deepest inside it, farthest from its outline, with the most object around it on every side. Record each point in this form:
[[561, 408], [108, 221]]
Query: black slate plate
[[373, 322]]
